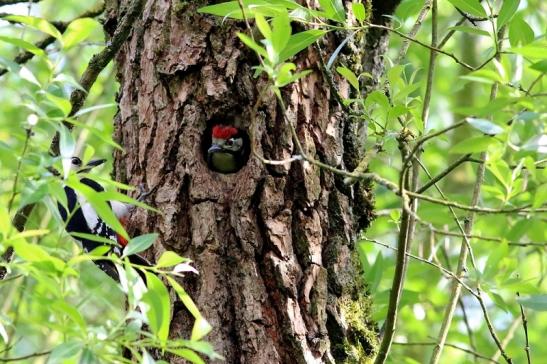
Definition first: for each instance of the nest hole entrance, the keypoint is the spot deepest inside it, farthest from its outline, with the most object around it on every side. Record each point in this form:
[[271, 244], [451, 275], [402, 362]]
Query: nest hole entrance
[[225, 147]]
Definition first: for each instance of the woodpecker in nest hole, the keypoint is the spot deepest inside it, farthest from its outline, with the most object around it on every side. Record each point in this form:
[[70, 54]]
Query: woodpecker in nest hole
[[229, 148], [81, 217]]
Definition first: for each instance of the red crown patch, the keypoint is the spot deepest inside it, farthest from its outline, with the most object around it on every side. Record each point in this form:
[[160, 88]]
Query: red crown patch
[[224, 131]]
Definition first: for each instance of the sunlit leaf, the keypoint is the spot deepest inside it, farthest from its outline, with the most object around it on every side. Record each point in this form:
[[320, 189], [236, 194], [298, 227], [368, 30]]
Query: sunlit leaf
[[64, 351], [169, 259], [139, 244], [159, 314], [36, 23], [470, 30], [486, 126], [300, 41], [508, 9], [358, 11], [23, 44], [520, 33], [472, 7], [472, 145], [334, 9], [79, 30], [535, 302], [349, 76]]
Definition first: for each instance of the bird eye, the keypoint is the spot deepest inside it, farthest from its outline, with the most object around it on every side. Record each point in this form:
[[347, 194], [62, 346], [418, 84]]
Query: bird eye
[[230, 141], [76, 161]]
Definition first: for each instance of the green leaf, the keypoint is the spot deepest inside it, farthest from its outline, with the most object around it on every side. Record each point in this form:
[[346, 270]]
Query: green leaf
[[61, 103], [508, 9], [281, 33], [159, 313], [535, 50], [231, 9], [494, 259], [334, 9], [64, 351], [200, 329], [78, 30], [252, 44], [472, 145], [139, 244], [520, 33], [93, 237], [486, 126], [94, 108], [534, 302], [185, 298], [263, 26], [116, 196], [27, 75], [4, 333], [470, 30], [23, 44], [540, 66], [377, 97], [472, 7], [484, 76], [540, 196], [358, 11], [300, 41], [169, 259], [36, 23], [349, 76], [189, 355]]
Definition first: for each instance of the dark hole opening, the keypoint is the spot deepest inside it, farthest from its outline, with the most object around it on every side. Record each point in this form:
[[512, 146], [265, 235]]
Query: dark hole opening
[[224, 156]]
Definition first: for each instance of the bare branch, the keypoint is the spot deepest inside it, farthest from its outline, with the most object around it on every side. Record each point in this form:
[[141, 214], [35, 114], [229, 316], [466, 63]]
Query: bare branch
[[444, 173], [20, 358]]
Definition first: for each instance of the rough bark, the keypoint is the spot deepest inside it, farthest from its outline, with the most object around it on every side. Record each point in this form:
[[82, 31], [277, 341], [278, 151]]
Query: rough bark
[[274, 245]]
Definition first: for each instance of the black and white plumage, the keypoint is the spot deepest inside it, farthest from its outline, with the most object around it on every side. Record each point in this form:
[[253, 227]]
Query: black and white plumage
[[81, 217]]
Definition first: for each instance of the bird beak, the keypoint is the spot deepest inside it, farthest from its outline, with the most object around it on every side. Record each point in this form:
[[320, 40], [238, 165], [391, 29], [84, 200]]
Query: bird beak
[[95, 163], [214, 148], [92, 164]]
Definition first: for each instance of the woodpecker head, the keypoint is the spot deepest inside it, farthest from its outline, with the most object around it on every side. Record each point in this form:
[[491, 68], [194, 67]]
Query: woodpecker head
[[227, 151], [76, 164]]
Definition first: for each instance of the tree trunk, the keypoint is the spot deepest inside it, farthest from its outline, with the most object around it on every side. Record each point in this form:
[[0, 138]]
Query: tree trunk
[[274, 245]]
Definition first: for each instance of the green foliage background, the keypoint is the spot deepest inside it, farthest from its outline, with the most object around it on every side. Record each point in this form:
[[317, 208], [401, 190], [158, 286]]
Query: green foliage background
[[74, 311], [56, 306]]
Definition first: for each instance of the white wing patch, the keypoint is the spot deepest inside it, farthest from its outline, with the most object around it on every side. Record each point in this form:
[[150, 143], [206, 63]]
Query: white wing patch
[[120, 209], [95, 224]]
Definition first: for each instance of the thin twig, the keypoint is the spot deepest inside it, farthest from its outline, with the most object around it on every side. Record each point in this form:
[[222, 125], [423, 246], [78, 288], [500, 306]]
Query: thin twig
[[444, 270], [508, 337], [425, 45], [415, 28], [485, 238], [525, 328], [20, 358], [431, 343], [444, 173]]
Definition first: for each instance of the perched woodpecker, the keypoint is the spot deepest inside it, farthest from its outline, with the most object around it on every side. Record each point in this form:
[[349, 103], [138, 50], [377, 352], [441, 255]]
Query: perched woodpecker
[[82, 218], [228, 150]]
